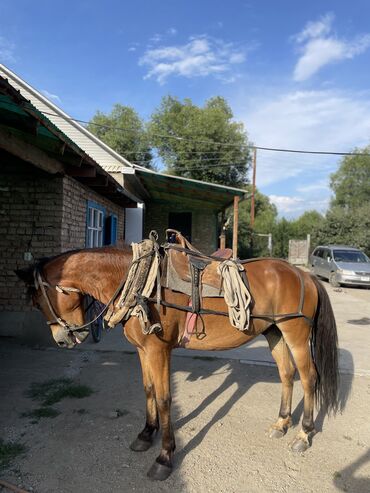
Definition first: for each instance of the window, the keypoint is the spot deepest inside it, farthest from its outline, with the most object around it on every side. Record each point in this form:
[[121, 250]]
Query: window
[[111, 230], [318, 252], [94, 225]]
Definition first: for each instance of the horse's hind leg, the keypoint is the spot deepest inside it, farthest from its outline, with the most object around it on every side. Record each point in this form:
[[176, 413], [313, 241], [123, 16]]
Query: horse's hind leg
[[297, 335], [281, 355], [145, 437]]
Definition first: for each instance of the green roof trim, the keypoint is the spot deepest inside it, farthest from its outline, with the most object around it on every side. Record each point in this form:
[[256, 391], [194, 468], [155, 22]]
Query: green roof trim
[[162, 187]]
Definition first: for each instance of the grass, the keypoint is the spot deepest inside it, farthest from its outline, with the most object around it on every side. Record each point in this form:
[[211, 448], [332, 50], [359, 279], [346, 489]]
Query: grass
[[52, 391], [8, 451], [205, 358], [41, 412]]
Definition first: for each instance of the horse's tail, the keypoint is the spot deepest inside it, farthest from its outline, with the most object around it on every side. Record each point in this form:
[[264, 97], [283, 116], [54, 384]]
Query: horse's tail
[[324, 345]]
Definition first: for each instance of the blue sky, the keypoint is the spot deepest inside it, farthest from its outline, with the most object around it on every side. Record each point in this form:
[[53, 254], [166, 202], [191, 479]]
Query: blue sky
[[296, 73]]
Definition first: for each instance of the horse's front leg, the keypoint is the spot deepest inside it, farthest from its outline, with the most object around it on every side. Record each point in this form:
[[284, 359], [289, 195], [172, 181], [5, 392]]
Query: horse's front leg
[[145, 437], [159, 362]]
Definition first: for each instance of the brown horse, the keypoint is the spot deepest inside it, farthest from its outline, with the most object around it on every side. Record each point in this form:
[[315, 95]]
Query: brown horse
[[311, 347]]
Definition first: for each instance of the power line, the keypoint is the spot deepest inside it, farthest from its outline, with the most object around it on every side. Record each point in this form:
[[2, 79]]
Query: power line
[[209, 142]]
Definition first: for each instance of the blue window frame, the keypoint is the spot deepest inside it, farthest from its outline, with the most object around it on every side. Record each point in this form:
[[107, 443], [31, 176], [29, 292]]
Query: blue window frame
[[95, 218], [111, 230]]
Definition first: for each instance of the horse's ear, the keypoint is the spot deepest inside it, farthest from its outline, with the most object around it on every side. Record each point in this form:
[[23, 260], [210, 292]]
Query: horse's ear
[[26, 275]]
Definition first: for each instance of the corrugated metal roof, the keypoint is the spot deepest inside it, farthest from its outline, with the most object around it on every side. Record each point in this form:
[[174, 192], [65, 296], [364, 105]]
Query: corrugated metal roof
[[94, 147]]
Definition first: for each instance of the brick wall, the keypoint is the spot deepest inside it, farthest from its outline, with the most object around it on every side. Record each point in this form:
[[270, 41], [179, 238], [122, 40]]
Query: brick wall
[[204, 223], [30, 216], [75, 197], [41, 213]]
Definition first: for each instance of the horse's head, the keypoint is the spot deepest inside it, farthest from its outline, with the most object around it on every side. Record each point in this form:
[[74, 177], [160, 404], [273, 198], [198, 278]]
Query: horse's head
[[58, 299]]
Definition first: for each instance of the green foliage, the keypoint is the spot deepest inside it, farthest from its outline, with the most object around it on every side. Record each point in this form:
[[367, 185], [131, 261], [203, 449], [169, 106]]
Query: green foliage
[[347, 227], [53, 391], [347, 221], [8, 451], [265, 219], [308, 223], [282, 233], [41, 412], [123, 131], [351, 183], [191, 151]]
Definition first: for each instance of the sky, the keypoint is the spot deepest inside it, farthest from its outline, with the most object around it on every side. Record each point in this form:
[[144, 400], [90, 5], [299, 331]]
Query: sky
[[297, 74]]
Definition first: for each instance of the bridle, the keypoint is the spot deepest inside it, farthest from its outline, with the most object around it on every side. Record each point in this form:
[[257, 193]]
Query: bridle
[[39, 282]]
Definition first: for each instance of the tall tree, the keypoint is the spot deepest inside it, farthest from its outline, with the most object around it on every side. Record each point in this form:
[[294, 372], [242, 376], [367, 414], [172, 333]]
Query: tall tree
[[351, 183], [347, 227], [123, 130], [308, 223], [201, 142]]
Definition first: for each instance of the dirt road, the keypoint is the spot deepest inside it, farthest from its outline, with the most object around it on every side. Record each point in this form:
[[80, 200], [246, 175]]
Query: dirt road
[[221, 411]]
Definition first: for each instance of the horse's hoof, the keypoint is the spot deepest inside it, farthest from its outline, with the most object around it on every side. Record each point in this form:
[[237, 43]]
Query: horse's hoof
[[139, 445], [275, 433], [159, 472], [299, 446]]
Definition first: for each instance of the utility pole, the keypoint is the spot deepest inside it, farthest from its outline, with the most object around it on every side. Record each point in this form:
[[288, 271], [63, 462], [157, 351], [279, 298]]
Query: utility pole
[[253, 186]]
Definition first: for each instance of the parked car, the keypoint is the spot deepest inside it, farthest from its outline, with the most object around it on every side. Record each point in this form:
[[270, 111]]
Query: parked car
[[341, 265]]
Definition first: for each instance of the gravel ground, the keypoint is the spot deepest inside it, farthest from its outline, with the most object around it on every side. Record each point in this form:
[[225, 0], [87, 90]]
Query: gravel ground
[[221, 410]]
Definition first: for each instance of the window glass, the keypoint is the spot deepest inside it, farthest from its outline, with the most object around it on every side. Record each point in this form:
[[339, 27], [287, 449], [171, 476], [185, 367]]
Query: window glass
[[94, 225], [350, 256]]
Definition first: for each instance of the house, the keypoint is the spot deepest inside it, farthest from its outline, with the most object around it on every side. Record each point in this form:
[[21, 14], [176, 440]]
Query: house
[[53, 197]]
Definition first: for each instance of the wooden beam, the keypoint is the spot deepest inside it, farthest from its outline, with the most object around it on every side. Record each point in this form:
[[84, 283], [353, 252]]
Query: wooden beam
[[28, 152], [235, 226], [84, 172], [97, 181]]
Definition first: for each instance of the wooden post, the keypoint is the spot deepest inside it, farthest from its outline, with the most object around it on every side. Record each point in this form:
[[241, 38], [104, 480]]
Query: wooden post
[[235, 226], [253, 186], [223, 232]]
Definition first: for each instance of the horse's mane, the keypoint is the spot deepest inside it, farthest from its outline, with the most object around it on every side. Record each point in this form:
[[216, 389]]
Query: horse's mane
[[111, 253]]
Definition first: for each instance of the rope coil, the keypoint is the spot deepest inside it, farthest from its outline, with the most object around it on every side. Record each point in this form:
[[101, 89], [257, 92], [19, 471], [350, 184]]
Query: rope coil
[[236, 293]]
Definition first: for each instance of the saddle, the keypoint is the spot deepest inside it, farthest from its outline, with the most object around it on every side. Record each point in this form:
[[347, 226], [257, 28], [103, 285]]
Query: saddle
[[186, 265]]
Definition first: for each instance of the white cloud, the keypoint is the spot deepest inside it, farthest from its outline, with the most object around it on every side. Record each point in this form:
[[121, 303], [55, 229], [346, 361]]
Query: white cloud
[[201, 56], [285, 203], [6, 51], [294, 206], [172, 31], [316, 29], [309, 120], [52, 97], [320, 47], [326, 120]]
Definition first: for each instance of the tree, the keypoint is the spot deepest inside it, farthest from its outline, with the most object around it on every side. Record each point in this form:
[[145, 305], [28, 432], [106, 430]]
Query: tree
[[308, 223], [265, 219], [347, 227], [282, 233], [351, 183], [188, 137], [123, 131]]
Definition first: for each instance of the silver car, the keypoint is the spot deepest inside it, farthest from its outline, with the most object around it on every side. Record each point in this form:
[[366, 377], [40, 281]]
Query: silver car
[[341, 265]]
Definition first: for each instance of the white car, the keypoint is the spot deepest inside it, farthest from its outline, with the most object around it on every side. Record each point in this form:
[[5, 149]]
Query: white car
[[341, 265]]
